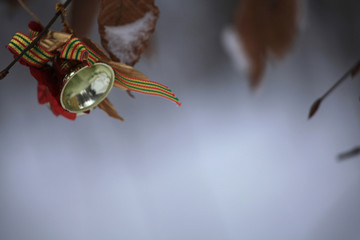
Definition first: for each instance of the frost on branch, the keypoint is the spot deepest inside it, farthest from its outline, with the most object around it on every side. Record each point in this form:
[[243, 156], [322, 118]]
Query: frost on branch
[[126, 27]]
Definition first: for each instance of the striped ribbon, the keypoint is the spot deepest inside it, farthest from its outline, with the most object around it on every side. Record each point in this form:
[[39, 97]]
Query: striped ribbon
[[32, 33], [93, 57], [145, 87], [74, 49], [36, 57], [136, 85]]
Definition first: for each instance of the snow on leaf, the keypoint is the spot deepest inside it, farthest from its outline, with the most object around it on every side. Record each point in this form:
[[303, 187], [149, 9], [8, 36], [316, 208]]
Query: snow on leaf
[[125, 27], [123, 41], [232, 45]]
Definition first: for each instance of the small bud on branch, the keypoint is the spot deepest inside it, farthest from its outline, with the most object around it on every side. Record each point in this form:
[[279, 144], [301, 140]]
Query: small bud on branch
[[349, 154], [315, 107], [351, 72]]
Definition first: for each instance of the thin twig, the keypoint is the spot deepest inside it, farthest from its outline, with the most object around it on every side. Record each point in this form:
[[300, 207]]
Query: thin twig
[[349, 154], [65, 23], [33, 43], [27, 9], [351, 72]]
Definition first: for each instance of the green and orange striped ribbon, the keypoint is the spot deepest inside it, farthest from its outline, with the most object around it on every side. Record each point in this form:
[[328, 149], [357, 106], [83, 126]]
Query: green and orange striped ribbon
[[32, 33], [137, 85], [145, 87], [36, 57], [74, 49]]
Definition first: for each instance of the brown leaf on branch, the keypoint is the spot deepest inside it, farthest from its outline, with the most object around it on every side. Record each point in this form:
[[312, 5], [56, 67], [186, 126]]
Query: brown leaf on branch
[[266, 27], [82, 16], [125, 27], [107, 107]]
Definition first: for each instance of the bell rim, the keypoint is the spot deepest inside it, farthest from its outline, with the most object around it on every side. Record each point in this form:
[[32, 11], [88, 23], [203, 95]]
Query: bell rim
[[68, 77]]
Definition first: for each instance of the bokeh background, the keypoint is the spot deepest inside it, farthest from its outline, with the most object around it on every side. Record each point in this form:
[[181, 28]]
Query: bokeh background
[[228, 164]]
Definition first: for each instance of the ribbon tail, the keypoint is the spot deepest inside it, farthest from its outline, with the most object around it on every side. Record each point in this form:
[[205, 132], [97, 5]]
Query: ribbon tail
[[127, 78]]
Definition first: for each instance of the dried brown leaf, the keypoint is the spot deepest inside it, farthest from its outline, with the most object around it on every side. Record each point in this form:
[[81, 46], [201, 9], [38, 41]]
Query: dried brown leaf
[[83, 14], [125, 27], [128, 70], [107, 107], [266, 27]]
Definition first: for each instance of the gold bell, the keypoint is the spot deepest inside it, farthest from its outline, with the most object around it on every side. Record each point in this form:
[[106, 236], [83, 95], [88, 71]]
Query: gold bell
[[84, 87]]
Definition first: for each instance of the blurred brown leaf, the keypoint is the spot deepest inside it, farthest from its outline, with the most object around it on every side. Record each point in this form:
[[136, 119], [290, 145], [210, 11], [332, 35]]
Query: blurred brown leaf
[[107, 107], [125, 27], [266, 27], [83, 14]]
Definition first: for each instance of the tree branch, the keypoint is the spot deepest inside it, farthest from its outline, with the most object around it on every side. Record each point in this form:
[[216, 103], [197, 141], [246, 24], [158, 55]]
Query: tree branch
[[351, 72]]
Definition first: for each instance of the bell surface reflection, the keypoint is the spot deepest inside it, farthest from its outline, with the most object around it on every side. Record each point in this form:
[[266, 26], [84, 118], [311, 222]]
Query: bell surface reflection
[[86, 88]]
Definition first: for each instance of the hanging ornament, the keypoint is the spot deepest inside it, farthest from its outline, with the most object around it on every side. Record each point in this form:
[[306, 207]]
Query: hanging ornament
[[74, 74]]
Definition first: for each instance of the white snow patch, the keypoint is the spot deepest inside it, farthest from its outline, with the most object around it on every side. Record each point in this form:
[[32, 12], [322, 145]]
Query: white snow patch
[[233, 46], [124, 39]]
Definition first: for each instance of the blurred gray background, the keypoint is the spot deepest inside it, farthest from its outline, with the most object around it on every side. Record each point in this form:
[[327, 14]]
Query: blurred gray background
[[228, 164]]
